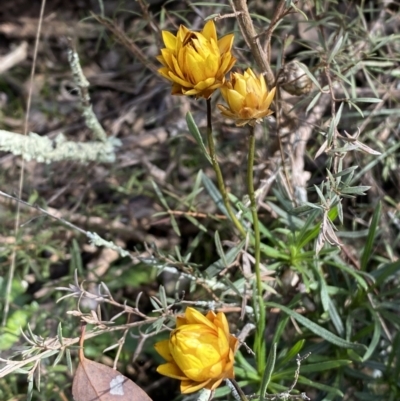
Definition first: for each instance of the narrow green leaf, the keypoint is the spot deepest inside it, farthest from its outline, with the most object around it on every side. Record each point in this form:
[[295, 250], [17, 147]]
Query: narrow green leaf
[[230, 256], [193, 129], [367, 252], [268, 371], [59, 356], [69, 360], [386, 271], [355, 190], [59, 334], [163, 297], [215, 194], [345, 171], [357, 108], [295, 350], [242, 362], [195, 222], [175, 225], [338, 114], [311, 76], [320, 194], [313, 102], [366, 100], [320, 386], [317, 329], [159, 195], [335, 49], [220, 249], [375, 337], [358, 276], [314, 367], [335, 317]]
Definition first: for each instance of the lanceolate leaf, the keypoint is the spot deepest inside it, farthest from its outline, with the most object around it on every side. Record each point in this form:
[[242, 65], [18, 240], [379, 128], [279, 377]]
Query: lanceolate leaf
[[268, 371], [371, 236], [196, 135], [316, 329]]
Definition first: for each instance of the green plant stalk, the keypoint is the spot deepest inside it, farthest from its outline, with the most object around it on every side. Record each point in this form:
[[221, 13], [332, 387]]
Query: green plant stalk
[[217, 169], [259, 345]]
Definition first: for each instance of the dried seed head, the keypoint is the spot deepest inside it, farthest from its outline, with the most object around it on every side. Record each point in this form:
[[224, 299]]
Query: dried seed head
[[294, 80]]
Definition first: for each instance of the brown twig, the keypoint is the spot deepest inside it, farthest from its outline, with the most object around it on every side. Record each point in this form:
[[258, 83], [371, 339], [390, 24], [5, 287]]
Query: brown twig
[[122, 38]]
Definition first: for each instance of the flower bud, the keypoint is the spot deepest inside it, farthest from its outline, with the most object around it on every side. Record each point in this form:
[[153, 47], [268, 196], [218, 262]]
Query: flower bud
[[247, 97]]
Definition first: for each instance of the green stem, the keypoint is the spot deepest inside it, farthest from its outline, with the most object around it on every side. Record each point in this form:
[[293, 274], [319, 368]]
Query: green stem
[[220, 180], [259, 345]]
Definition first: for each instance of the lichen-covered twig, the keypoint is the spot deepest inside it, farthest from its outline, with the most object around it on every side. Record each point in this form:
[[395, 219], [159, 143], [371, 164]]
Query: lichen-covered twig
[[83, 84], [94, 238], [46, 150]]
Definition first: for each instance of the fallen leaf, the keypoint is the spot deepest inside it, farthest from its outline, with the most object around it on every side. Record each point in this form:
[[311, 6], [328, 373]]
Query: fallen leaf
[[96, 382]]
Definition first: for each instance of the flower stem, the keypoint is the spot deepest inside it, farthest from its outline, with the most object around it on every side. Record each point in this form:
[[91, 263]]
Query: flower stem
[[259, 345], [220, 180]]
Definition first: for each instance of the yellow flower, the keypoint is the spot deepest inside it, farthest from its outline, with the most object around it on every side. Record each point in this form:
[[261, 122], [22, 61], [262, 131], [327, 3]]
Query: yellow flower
[[247, 97], [196, 62], [199, 352]]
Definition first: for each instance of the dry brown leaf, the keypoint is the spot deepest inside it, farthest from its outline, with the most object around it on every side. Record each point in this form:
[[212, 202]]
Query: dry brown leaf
[[96, 382]]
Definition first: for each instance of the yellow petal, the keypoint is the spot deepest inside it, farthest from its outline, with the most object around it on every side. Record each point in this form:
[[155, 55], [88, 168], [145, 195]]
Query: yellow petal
[[222, 323], [180, 321], [252, 101], [209, 30], [211, 316], [190, 386], [249, 73], [235, 100], [160, 58], [215, 384], [194, 316], [204, 84], [226, 65], [170, 369], [177, 89], [233, 343], [216, 369], [263, 85], [177, 68], [169, 40], [165, 73], [226, 112], [191, 92], [211, 65], [270, 97], [181, 34], [162, 347], [179, 80], [223, 344], [168, 57], [225, 43], [195, 68]]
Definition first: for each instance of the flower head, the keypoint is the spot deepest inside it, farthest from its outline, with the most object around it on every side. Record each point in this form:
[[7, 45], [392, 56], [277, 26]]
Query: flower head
[[196, 62], [247, 97], [199, 352]]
